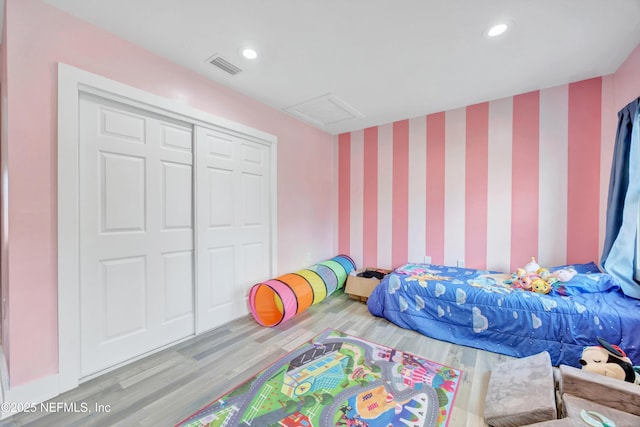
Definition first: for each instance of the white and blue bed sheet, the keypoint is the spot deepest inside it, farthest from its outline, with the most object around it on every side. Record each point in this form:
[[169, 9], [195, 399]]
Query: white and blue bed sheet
[[480, 309]]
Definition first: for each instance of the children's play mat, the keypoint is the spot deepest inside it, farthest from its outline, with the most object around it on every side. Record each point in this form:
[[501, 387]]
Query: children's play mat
[[338, 380]]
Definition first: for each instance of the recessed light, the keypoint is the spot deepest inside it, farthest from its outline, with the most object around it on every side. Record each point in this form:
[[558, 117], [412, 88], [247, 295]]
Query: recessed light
[[496, 30], [249, 53]]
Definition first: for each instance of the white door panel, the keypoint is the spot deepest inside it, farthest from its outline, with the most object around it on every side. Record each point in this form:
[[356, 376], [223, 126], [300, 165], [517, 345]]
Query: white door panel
[[123, 287], [220, 197], [177, 269], [122, 181], [255, 261], [252, 206], [222, 276], [177, 196], [123, 125], [177, 138], [136, 232], [233, 223]]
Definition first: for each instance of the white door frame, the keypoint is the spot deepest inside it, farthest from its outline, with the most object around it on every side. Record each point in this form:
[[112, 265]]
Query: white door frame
[[71, 82]]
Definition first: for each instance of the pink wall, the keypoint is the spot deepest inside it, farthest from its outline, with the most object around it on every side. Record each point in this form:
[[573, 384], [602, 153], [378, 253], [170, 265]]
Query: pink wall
[[627, 81], [37, 37], [4, 270], [502, 180]]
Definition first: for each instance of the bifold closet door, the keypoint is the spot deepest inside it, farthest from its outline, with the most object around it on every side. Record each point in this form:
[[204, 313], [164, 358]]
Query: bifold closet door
[[136, 232], [233, 238]]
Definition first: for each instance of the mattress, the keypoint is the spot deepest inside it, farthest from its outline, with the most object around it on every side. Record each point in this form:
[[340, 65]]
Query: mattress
[[480, 309]]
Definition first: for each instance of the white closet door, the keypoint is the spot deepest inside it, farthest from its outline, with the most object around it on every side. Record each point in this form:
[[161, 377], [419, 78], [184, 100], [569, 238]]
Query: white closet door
[[136, 232], [233, 222]]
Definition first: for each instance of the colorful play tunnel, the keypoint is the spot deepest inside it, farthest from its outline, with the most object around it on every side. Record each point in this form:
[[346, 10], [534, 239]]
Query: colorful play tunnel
[[277, 300]]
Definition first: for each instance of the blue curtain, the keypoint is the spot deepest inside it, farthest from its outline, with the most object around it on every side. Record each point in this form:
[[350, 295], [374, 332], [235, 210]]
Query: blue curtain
[[619, 255]]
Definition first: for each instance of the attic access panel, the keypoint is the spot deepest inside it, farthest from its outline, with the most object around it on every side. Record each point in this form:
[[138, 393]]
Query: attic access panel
[[324, 110]]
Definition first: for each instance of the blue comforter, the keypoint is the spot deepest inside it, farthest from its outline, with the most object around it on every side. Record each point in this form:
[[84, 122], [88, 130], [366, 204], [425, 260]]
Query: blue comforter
[[480, 309]]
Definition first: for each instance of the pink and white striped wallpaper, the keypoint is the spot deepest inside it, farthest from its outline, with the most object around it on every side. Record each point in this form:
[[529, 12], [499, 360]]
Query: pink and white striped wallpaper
[[492, 184]]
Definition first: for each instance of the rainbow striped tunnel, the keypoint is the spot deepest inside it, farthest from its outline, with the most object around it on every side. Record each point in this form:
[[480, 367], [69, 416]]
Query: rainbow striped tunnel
[[278, 300]]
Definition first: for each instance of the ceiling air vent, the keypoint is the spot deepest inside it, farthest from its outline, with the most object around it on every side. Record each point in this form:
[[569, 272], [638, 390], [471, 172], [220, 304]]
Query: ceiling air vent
[[224, 65]]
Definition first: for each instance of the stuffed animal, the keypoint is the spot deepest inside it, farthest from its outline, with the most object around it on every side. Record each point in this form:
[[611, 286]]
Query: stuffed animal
[[532, 266], [521, 279], [540, 286], [609, 360], [564, 274], [533, 278]]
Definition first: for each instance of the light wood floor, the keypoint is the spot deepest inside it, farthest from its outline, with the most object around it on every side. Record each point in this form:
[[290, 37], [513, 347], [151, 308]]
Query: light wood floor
[[167, 387]]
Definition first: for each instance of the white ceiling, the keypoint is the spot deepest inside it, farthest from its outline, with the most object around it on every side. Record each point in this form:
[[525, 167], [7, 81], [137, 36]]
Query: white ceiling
[[387, 60]]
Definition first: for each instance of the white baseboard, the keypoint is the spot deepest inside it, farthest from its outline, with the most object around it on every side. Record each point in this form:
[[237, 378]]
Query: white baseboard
[[17, 399]]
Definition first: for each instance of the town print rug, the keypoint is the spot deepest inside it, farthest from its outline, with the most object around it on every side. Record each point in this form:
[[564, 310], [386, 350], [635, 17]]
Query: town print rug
[[338, 380]]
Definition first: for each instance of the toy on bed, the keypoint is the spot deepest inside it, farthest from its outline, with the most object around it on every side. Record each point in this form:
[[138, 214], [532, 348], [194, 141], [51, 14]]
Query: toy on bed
[[609, 360], [534, 278]]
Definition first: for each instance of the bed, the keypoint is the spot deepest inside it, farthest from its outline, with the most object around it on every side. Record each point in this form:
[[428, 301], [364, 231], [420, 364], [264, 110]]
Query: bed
[[480, 309]]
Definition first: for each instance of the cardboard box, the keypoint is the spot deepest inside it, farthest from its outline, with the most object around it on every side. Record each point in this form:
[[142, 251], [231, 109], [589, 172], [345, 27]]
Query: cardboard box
[[359, 288]]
